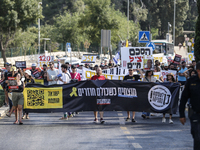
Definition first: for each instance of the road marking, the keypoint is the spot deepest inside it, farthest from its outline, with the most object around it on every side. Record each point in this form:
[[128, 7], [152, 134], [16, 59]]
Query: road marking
[[127, 132], [121, 121], [136, 145], [120, 114], [123, 128], [130, 137]]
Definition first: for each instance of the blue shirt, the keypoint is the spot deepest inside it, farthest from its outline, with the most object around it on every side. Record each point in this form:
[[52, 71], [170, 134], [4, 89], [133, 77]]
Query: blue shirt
[[182, 78]]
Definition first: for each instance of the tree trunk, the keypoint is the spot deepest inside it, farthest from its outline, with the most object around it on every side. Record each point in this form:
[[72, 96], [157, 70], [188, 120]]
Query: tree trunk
[[3, 53]]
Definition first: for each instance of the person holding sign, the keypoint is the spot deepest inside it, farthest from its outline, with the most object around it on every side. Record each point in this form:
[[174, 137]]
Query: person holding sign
[[18, 99], [52, 74], [134, 77]]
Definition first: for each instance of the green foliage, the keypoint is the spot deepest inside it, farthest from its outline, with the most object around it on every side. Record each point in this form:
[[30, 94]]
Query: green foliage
[[197, 35], [15, 15]]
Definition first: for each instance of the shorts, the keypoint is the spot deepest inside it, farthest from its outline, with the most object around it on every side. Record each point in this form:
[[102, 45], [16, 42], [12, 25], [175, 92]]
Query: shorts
[[17, 98]]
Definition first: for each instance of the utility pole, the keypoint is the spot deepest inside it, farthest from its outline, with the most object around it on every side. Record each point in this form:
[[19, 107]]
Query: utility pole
[[40, 3], [174, 22], [128, 19]]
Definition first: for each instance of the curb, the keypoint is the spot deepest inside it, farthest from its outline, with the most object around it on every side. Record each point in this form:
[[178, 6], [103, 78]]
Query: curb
[[3, 111]]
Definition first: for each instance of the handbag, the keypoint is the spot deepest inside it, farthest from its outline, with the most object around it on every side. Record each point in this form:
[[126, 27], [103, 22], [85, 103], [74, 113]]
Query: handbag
[[74, 80]]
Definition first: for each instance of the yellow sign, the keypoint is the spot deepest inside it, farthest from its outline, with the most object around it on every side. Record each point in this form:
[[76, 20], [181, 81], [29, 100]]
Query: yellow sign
[[39, 81], [190, 57], [160, 59], [43, 98]]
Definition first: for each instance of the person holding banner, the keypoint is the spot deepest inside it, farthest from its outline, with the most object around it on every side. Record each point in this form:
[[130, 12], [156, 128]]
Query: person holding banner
[[170, 78], [98, 76], [18, 99], [64, 79], [34, 72], [52, 74], [28, 80], [75, 75], [134, 77], [148, 78], [44, 74]]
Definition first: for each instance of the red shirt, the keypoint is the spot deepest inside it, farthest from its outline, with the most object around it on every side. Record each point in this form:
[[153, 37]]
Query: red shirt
[[78, 76], [101, 77]]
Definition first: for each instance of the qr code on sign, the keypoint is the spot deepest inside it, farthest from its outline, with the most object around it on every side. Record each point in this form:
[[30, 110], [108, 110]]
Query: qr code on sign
[[35, 97]]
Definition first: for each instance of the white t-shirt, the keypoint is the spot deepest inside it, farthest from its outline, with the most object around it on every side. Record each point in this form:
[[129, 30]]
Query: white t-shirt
[[66, 77], [52, 75]]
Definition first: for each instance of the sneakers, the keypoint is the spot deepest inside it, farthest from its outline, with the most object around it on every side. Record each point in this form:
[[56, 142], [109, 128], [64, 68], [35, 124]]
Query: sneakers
[[102, 121], [70, 116], [170, 121], [95, 120], [133, 120], [143, 116], [163, 120], [147, 117], [127, 119]]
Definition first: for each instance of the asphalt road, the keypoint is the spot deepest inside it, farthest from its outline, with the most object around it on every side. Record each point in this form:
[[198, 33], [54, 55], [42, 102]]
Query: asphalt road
[[47, 132]]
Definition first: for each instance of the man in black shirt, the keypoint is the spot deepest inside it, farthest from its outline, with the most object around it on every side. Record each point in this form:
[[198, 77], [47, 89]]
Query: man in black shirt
[[134, 77], [191, 91]]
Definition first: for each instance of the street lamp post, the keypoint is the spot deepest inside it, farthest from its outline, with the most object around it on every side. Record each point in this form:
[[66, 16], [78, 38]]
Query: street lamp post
[[40, 3], [128, 19], [174, 22]]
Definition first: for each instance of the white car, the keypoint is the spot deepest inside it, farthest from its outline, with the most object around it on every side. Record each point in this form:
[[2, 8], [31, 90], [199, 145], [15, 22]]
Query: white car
[[72, 61]]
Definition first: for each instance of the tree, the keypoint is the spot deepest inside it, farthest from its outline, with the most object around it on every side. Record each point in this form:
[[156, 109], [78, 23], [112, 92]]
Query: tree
[[197, 35], [15, 15]]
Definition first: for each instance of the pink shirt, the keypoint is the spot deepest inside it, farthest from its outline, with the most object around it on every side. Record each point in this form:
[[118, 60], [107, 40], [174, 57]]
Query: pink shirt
[[73, 75]]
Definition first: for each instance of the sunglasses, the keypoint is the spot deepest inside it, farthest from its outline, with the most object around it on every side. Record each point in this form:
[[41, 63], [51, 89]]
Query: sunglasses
[[50, 64], [130, 70]]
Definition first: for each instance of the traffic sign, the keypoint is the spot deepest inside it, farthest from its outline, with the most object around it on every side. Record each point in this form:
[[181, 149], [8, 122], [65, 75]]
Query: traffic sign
[[144, 36], [151, 44], [68, 45], [69, 50]]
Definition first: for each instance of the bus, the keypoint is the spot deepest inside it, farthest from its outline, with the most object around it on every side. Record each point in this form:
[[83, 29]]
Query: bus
[[163, 46]]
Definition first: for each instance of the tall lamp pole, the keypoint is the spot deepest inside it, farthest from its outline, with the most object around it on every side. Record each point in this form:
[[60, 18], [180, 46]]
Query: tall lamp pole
[[128, 19], [174, 22], [40, 3]]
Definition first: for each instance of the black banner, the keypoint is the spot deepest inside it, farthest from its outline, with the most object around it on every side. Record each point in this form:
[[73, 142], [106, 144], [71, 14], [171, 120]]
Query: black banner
[[106, 95]]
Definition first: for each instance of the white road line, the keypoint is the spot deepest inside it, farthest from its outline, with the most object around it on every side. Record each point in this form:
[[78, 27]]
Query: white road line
[[130, 137], [120, 114], [121, 121], [136, 145]]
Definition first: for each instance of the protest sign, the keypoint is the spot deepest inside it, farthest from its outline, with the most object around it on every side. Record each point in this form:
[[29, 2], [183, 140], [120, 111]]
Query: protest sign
[[148, 63], [88, 58], [132, 57], [177, 59], [42, 59], [165, 72], [190, 57], [20, 64], [158, 57]]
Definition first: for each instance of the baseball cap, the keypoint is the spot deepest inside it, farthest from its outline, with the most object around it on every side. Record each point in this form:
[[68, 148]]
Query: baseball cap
[[73, 66], [165, 65], [33, 65]]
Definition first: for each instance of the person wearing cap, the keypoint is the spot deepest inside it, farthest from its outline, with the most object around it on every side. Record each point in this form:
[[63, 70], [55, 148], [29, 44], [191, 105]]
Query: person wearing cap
[[91, 66], [181, 75], [170, 78], [95, 67], [133, 76], [34, 72], [166, 67]]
